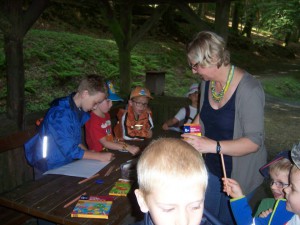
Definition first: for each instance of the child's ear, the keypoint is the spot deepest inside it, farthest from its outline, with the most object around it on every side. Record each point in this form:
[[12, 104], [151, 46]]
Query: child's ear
[[84, 94], [141, 200]]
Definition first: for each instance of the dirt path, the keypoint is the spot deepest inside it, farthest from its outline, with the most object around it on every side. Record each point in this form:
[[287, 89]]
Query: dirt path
[[282, 123], [282, 119]]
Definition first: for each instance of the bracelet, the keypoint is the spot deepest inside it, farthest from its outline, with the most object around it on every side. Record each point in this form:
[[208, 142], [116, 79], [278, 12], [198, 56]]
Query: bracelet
[[218, 148]]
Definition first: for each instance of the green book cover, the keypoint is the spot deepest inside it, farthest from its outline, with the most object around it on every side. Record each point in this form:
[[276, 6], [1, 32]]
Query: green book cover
[[120, 188]]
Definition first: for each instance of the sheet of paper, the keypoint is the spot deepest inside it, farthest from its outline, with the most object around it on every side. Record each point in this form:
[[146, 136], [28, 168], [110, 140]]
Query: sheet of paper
[[79, 168]]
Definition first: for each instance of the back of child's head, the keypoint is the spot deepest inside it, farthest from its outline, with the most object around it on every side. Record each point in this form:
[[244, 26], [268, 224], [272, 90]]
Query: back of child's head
[[295, 155], [93, 83], [168, 160], [140, 91]]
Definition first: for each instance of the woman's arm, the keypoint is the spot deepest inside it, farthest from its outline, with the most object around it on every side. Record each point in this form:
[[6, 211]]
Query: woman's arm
[[237, 147]]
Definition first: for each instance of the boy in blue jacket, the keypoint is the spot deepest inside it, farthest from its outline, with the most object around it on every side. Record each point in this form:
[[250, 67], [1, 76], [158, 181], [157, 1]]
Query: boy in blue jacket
[[242, 211], [59, 138]]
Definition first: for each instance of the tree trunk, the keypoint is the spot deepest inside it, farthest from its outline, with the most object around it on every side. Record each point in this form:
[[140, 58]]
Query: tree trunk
[[249, 23], [122, 32], [236, 17], [191, 16], [124, 49], [222, 18], [16, 18], [125, 70]]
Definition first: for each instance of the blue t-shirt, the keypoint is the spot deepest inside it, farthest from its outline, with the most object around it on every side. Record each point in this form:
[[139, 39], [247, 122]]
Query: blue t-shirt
[[219, 125]]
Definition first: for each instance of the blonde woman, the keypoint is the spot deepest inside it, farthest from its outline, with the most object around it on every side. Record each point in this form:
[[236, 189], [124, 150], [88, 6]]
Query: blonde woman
[[232, 116]]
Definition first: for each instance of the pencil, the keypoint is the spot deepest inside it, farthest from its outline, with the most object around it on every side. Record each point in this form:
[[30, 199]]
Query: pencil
[[89, 178], [74, 200], [109, 171], [224, 170]]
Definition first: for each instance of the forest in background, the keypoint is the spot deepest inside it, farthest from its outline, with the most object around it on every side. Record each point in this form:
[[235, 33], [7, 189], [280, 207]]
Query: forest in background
[[67, 42]]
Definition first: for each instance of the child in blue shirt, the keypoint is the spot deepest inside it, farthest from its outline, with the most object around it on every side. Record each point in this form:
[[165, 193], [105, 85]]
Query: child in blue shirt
[[59, 138]]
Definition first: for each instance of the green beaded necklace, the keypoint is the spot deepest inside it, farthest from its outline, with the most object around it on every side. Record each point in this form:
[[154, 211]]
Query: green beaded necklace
[[217, 97]]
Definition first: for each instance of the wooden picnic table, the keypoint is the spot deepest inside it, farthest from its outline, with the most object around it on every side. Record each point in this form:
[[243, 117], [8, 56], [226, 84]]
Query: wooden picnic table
[[45, 198]]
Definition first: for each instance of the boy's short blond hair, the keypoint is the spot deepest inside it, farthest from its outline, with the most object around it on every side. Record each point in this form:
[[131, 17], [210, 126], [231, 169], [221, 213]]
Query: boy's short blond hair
[[283, 165], [169, 159], [93, 83], [208, 49]]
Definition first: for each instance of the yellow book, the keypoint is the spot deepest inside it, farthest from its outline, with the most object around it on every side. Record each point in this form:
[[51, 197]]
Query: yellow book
[[93, 207]]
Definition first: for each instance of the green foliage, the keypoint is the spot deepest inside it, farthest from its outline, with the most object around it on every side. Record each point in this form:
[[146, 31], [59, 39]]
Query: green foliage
[[54, 63], [283, 87], [280, 17]]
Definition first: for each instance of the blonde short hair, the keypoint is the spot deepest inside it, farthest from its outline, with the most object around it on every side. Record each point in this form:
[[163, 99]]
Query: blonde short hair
[[93, 83], [283, 165], [169, 159], [208, 49]]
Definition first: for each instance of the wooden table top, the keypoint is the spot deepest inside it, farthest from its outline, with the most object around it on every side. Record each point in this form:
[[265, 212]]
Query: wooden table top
[[45, 198]]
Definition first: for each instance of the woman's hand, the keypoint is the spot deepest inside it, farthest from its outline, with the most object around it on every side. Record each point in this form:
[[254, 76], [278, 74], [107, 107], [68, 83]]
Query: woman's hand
[[201, 144]]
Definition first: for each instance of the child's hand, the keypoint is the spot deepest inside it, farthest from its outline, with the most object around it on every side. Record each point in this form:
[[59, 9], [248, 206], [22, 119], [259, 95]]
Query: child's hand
[[165, 126], [106, 156], [133, 149], [264, 214], [232, 187], [150, 133]]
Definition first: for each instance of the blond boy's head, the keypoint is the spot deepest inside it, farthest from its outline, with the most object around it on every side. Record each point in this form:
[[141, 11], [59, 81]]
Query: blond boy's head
[[172, 178], [281, 166], [279, 173]]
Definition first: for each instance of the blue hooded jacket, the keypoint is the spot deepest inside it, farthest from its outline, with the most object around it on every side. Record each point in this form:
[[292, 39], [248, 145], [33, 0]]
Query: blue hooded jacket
[[243, 213], [62, 126]]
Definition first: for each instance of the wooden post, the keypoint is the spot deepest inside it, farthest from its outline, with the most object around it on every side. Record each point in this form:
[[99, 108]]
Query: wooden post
[[155, 82]]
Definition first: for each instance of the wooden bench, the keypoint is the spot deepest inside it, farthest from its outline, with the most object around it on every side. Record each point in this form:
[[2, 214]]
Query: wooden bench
[[12, 217], [15, 171]]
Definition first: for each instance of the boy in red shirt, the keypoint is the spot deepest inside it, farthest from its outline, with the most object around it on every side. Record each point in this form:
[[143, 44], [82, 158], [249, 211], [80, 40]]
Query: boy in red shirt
[[98, 128]]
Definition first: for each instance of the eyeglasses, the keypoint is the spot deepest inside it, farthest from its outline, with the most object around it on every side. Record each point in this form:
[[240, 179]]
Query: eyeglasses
[[278, 184], [194, 66], [140, 104]]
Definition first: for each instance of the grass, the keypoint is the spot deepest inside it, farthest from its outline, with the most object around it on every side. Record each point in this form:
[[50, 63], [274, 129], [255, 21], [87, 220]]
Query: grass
[[287, 87], [55, 62]]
